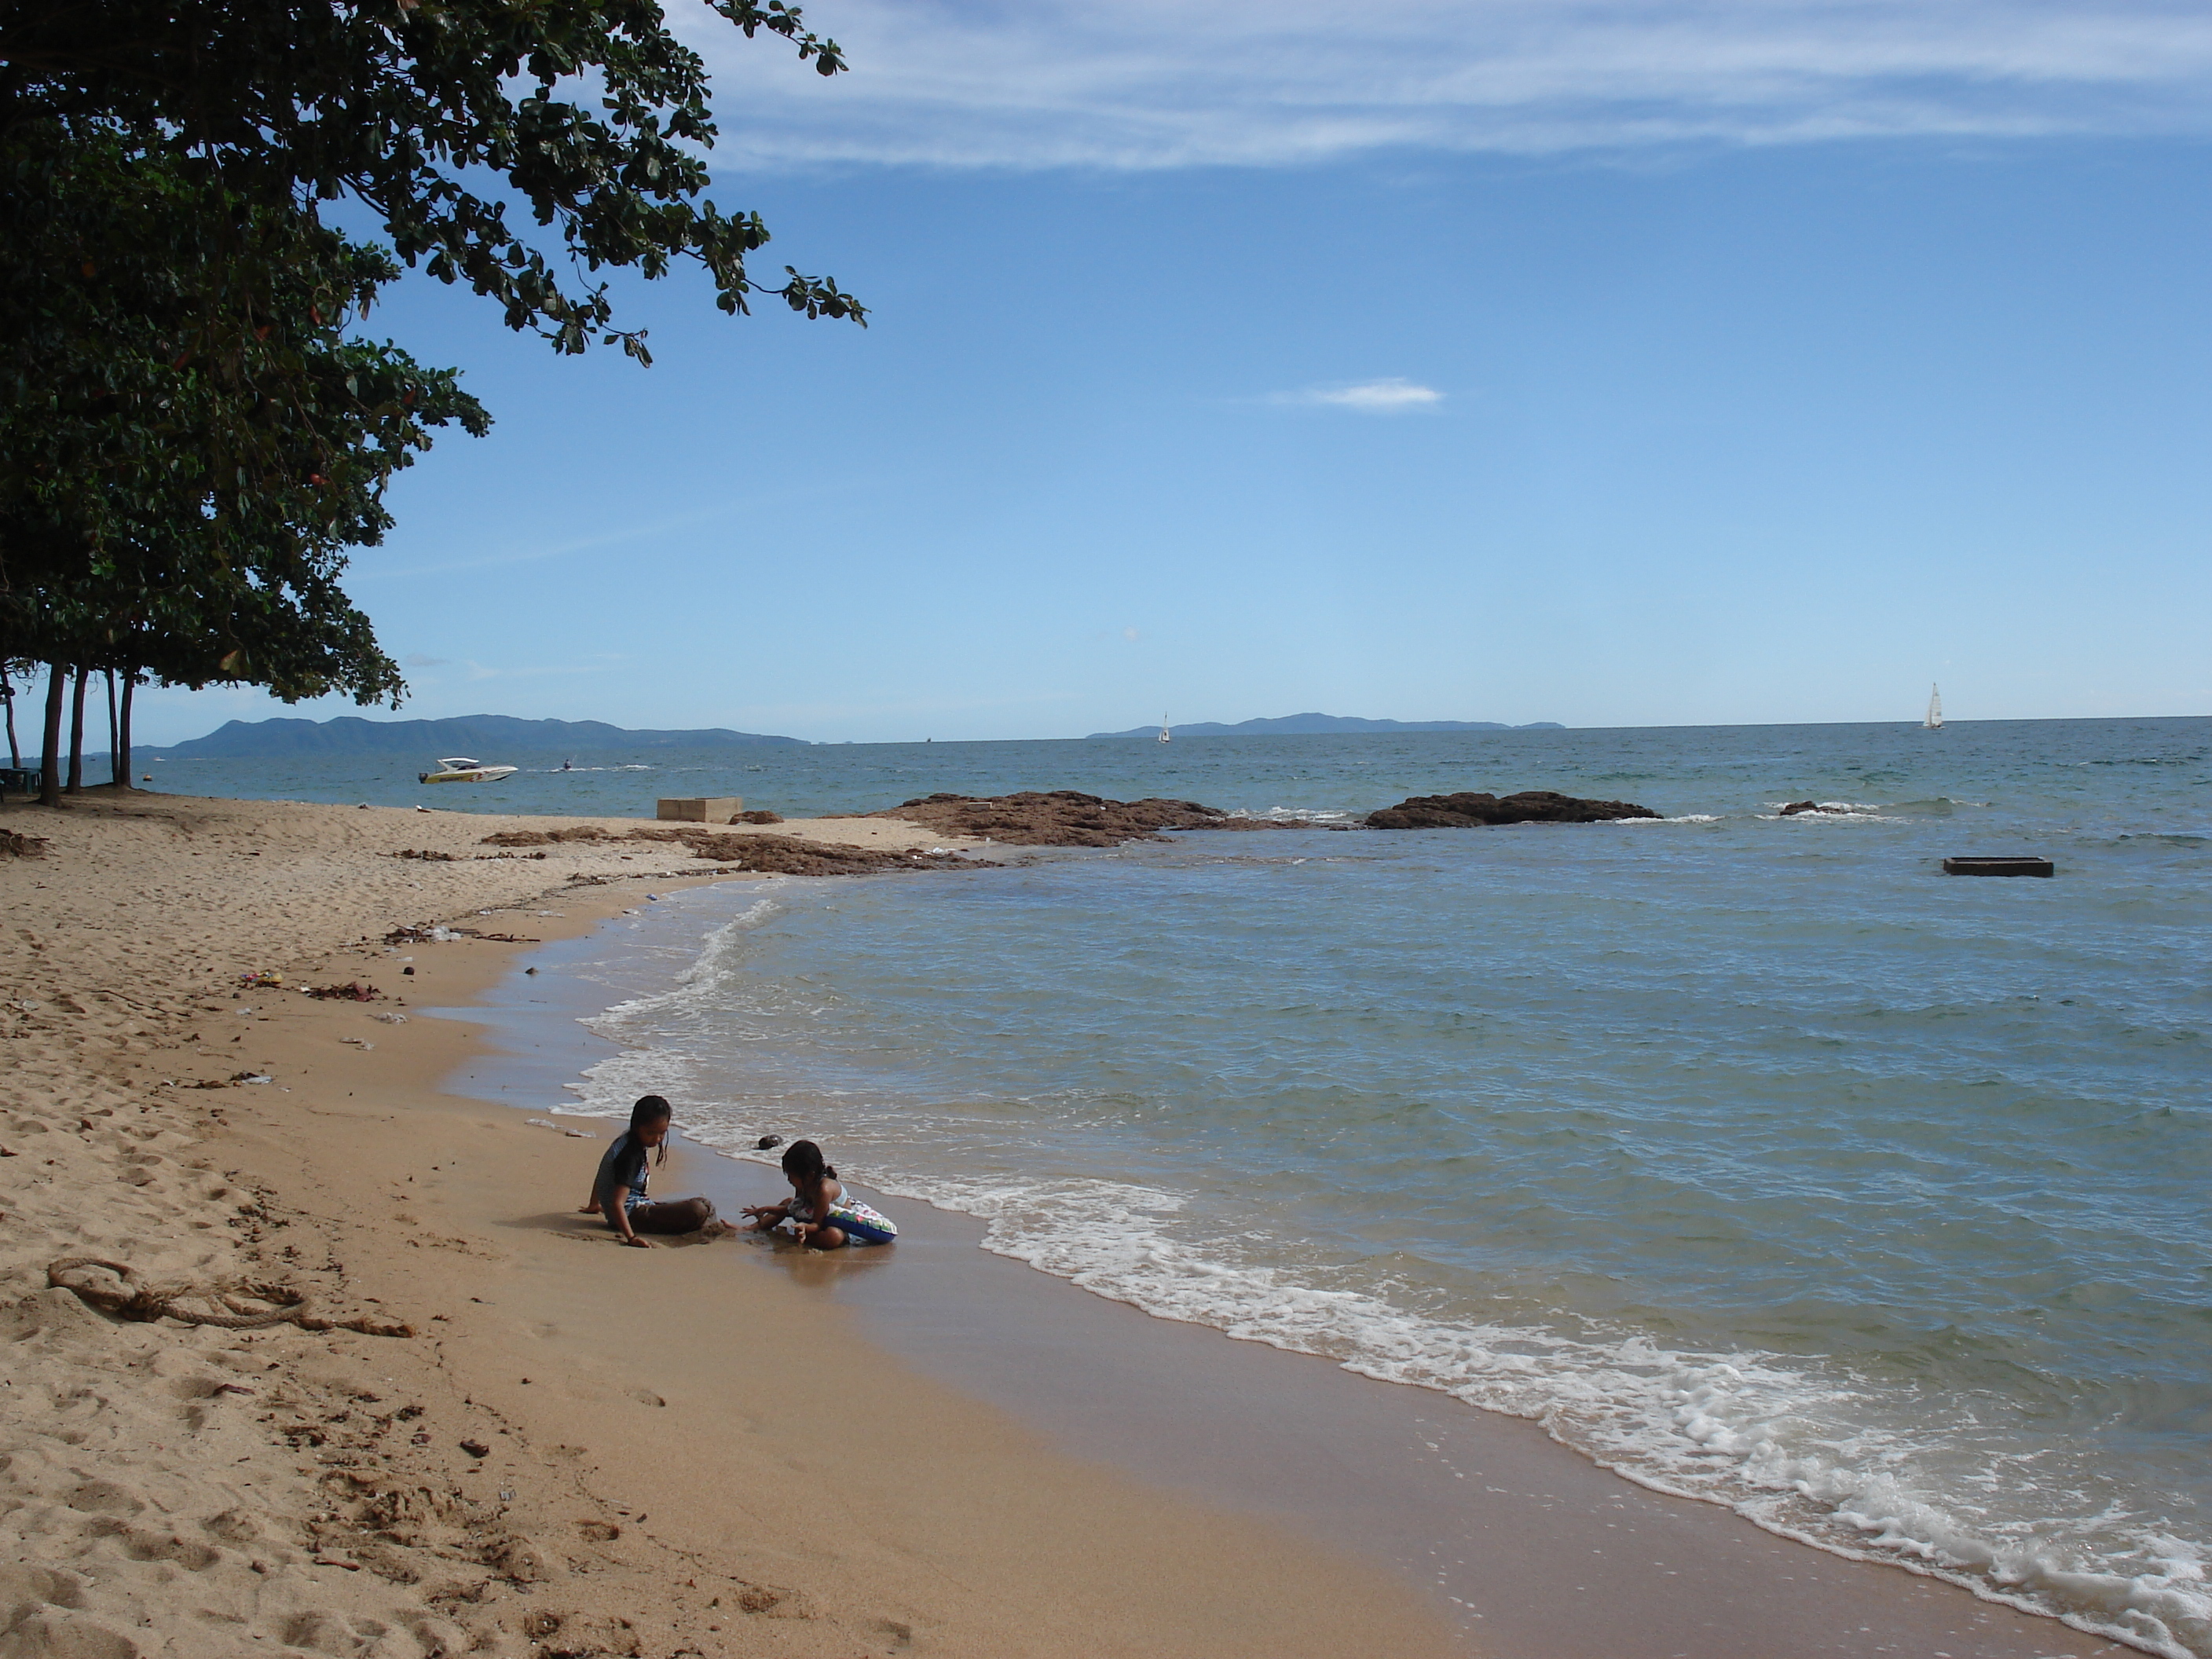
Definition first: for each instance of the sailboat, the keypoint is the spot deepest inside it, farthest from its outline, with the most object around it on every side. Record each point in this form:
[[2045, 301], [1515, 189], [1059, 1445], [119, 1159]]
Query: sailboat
[[1164, 737], [1934, 720]]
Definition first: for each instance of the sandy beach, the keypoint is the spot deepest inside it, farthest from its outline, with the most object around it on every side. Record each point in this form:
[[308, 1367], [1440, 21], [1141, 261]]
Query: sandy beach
[[533, 1442], [578, 1449]]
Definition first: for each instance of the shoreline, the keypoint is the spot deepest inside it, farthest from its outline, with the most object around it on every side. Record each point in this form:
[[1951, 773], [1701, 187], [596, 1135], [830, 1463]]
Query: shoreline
[[576, 1467], [1075, 1380], [1357, 1463]]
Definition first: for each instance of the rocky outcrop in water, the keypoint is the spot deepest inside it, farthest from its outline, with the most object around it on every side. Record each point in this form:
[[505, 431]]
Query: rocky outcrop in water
[[1063, 817], [1473, 811], [1826, 809]]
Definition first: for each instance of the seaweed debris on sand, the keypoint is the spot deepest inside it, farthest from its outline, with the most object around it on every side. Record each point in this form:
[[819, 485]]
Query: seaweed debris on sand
[[787, 855], [1064, 817], [1471, 812], [777, 855]]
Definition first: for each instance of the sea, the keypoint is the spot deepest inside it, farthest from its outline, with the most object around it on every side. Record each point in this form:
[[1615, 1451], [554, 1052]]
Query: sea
[[1749, 1153]]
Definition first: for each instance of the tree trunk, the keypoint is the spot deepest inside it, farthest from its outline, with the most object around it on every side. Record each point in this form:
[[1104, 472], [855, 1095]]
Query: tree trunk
[[50, 761], [76, 732], [118, 775], [123, 730], [7, 690]]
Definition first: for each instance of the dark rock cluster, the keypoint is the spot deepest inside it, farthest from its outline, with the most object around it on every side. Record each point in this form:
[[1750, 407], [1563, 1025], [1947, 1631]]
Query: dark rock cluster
[[1472, 811], [1062, 818]]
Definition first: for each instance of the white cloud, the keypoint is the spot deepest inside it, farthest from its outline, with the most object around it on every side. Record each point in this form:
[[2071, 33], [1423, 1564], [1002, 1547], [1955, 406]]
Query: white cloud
[[1165, 83], [1387, 396]]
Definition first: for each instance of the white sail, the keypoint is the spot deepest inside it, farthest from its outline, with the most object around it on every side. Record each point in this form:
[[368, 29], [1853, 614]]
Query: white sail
[[1934, 720], [1163, 729]]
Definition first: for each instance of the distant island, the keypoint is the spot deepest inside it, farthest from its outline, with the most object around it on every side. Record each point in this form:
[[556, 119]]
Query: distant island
[[485, 736], [1292, 726]]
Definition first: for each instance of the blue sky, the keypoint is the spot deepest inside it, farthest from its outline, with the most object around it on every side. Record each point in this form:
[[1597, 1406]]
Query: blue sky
[[1605, 363]]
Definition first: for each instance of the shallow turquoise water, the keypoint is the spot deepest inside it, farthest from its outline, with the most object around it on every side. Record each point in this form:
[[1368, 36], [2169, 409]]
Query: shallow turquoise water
[[1751, 1154]]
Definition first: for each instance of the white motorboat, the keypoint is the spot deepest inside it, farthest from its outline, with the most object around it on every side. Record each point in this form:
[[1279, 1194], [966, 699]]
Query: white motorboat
[[460, 769]]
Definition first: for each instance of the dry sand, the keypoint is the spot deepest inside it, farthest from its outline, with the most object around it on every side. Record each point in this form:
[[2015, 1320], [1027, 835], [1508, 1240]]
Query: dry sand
[[579, 1449]]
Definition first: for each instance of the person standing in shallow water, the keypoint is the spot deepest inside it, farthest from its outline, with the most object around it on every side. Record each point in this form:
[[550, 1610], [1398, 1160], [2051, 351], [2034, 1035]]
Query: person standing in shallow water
[[619, 1190]]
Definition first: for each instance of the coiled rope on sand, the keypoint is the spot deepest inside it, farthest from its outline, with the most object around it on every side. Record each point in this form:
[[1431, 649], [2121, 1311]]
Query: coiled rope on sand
[[218, 1305]]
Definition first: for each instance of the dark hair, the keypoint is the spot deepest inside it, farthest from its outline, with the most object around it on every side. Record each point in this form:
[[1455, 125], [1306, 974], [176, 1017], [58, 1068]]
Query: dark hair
[[802, 1158], [651, 1109]]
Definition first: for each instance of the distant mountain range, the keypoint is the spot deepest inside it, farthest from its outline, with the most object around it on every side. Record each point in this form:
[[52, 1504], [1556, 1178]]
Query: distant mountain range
[[488, 737], [1290, 726]]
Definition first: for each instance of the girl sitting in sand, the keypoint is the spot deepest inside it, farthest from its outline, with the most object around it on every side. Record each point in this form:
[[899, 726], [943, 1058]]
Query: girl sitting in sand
[[820, 1212], [618, 1190]]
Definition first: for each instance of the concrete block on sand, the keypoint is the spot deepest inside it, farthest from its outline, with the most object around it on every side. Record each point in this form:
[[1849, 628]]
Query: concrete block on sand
[[713, 809]]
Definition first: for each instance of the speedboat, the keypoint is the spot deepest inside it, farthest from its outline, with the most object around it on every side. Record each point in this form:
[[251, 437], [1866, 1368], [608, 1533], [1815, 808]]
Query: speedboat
[[460, 769]]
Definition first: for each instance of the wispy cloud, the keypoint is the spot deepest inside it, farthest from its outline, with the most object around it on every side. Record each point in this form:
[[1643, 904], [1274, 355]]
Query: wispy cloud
[[1166, 83], [597, 664], [1386, 397], [368, 571]]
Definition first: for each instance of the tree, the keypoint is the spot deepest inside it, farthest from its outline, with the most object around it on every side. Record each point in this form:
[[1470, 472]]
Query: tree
[[188, 438], [589, 112]]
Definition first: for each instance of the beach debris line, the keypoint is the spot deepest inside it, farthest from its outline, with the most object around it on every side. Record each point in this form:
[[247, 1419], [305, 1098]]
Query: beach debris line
[[787, 855], [774, 855], [545, 837], [352, 991], [1467, 810]]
